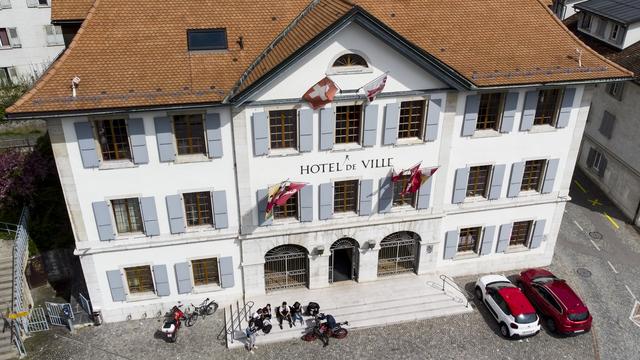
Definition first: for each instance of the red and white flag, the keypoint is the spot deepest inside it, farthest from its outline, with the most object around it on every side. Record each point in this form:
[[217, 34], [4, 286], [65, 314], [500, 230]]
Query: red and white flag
[[321, 93], [417, 177], [279, 194], [375, 87]]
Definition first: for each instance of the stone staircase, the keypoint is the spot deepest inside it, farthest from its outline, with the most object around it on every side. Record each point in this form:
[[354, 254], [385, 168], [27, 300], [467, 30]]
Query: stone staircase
[[7, 348], [388, 301]]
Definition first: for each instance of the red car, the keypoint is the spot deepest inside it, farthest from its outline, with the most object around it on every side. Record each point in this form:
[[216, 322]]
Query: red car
[[563, 310]]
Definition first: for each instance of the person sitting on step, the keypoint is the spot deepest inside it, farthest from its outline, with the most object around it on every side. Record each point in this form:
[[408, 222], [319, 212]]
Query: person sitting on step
[[283, 312]]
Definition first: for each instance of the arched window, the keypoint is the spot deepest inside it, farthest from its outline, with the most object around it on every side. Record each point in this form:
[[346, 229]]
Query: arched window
[[350, 60]]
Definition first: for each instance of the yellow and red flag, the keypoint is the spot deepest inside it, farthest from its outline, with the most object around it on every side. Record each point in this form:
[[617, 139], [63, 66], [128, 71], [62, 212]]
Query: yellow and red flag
[[279, 194]]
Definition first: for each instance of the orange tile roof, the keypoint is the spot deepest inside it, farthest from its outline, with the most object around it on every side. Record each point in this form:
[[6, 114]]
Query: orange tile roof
[[70, 9], [134, 54]]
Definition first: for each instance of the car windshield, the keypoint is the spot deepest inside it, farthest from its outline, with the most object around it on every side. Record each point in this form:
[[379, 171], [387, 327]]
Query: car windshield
[[526, 318], [544, 279], [500, 285], [579, 316]]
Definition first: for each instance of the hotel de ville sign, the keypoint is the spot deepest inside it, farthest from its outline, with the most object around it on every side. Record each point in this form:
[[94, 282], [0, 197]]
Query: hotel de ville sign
[[346, 165]]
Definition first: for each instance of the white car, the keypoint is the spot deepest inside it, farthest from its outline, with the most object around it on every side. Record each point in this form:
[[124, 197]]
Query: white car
[[508, 305]]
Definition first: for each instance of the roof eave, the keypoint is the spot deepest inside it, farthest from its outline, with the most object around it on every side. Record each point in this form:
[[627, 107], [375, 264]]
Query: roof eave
[[557, 83], [599, 13]]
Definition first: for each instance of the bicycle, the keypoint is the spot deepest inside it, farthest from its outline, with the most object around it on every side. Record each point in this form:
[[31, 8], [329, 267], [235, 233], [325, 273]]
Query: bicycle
[[205, 308]]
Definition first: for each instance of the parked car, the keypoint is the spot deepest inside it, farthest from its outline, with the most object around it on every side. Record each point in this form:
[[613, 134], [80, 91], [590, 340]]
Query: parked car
[[508, 305], [564, 311]]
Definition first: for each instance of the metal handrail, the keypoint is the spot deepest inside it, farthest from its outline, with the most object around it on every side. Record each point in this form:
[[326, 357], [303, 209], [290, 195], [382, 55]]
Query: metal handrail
[[8, 227], [447, 280], [235, 320]]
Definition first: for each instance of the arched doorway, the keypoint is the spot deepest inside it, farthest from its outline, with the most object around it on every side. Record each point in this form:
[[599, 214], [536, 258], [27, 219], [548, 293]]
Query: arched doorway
[[398, 253], [286, 266], [344, 260]]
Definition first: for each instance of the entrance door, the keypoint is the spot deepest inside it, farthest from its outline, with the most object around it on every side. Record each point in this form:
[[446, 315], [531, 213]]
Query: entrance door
[[343, 261], [398, 253]]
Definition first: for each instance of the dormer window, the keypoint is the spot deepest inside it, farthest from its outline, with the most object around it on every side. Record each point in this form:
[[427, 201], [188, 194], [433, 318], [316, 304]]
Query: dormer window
[[350, 60], [207, 39]]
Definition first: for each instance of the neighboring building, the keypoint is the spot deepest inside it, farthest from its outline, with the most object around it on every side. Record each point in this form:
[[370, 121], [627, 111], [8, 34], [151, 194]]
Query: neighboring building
[[184, 116], [28, 41], [564, 8], [609, 153]]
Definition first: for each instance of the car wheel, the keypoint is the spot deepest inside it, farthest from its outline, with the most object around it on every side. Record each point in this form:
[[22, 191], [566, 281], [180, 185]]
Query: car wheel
[[478, 293], [551, 325], [504, 330]]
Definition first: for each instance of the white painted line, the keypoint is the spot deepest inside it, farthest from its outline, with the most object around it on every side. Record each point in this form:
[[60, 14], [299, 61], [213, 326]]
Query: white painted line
[[612, 268], [630, 292], [594, 244], [578, 225]]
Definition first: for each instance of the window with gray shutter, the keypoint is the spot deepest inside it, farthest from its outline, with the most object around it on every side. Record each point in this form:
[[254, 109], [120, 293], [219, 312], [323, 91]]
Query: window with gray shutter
[[470, 115], [5, 4], [538, 233], [460, 185], [102, 214], [515, 181], [450, 244], [161, 279], [497, 178], [504, 236], [391, 116], [370, 125], [87, 144], [214, 135], [14, 40], [326, 201], [262, 196], [221, 219], [226, 272], [433, 119], [306, 203], [606, 126], [509, 114], [138, 141], [385, 195], [602, 25], [305, 130], [566, 107], [602, 166], [183, 278], [550, 176], [149, 216], [116, 285], [164, 138], [176, 214], [424, 194], [529, 112], [260, 133], [487, 240], [327, 126], [366, 197]]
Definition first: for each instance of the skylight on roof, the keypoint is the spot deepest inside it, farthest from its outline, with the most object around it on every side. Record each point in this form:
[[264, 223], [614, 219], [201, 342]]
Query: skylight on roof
[[207, 39]]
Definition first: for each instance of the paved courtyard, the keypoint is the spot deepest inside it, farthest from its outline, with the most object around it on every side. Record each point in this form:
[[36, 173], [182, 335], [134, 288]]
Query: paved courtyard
[[611, 254]]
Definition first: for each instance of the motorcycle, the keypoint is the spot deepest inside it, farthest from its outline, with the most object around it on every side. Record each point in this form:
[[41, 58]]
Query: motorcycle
[[327, 328], [172, 322]]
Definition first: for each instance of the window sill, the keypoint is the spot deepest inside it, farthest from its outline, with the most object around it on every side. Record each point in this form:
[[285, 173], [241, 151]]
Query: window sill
[[345, 215], [536, 129], [116, 164], [200, 228], [52, 45], [475, 199], [409, 141], [346, 147], [285, 221], [350, 70], [516, 249], [184, 159], [130, 236], [283, 152], [401, 208], [466, 255], [480, 134], [141, 296], [199, 289], [528, 193]]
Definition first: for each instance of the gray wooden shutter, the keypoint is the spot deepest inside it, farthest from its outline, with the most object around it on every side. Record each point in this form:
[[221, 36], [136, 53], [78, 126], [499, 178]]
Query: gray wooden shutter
[[103, 220], [460, 185], [370, 125], [606, 125], [538, 233], [565, 108], [262, 200], [14, 40], [497, 179], [220, 216], [515, 181], [470, 115], [305, 130], [327, 127], [164, 137], [509, 114], [116, 285], [214, 135], [504, 236], [260, 133], [326, 201], [602, 24], [138, 141], [433, 119], [226, 272], [591, 158], [550, 175], [306, 203], [603, 166], [391, 117], [424, 194], [161, 279], [385, 195], [487, 240], [451, 244], [183, 277], [87, 144], [176, 215], [529, 112], [149, 216], [366, 197], [622, 30]]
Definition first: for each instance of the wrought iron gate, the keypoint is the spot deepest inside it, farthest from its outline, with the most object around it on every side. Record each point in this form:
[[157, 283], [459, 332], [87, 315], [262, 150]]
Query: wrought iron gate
[[285, 267], [398, 253], [341, 244], [37, 320], [56, 313]]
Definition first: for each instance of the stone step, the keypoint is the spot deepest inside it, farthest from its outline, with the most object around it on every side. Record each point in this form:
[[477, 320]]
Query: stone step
[[5, 294], [13, 355], [5, 263]]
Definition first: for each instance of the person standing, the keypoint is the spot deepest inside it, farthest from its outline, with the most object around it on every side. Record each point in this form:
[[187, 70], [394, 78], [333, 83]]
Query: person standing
[[296, 313], [250, 332], [283, 312]]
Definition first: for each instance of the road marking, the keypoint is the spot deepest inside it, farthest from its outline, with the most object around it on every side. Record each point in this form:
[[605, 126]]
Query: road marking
[[595, 202], [630, 292], [580, 186], [594, 244], [611, 220], [612, 268], [578, 225]]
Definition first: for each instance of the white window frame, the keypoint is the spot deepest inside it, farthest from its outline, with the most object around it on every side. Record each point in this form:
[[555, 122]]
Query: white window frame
[[597, 158], [141, 295], [615, 31], [207, 287]]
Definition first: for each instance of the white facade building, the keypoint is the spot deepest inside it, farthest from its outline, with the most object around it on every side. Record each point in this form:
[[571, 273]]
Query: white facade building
[[28, 41]]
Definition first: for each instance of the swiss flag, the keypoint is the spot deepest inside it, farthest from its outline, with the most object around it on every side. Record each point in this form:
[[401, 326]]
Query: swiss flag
[[321, 93]]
